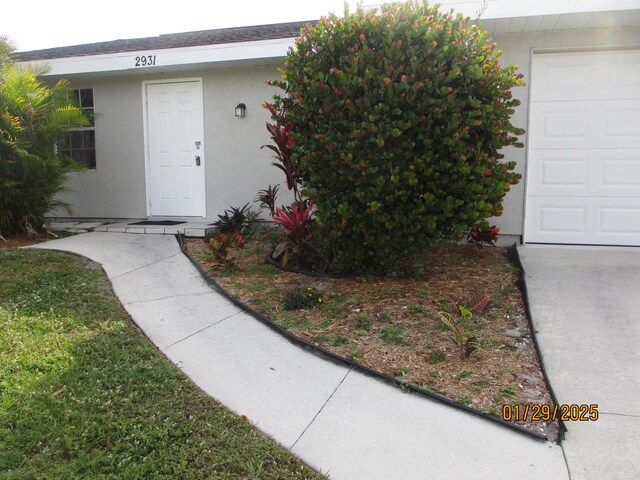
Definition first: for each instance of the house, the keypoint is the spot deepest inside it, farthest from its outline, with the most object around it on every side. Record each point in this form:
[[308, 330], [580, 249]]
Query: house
[[580, 110]]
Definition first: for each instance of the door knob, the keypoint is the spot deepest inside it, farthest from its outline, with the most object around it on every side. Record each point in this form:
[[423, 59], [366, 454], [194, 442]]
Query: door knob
[[198, 160]]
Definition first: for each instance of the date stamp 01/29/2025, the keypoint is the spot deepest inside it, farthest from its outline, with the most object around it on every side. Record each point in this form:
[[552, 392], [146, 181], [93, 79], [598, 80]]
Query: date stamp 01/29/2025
[[541, 412]]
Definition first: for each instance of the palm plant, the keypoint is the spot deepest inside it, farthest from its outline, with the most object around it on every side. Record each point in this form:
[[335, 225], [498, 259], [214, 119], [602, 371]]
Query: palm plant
[[34, 119]]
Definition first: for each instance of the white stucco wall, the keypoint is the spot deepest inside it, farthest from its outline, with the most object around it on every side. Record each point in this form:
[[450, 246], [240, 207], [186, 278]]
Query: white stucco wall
[[116, 187], [236, 167]]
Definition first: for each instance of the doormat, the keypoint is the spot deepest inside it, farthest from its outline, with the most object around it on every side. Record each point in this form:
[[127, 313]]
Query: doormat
[[158, 222]]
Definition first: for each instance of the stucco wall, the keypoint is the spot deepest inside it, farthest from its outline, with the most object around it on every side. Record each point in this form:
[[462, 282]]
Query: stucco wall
[[236, 167], [517, 50], [116, 187]]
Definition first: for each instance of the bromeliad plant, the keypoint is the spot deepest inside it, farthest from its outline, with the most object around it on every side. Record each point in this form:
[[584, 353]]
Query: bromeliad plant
[[295, 219], [233, 219]]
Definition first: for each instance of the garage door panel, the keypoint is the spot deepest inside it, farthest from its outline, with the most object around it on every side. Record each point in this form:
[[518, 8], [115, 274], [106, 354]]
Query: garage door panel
[[583, 160], [555, 220], [579, 76], [622, 124], [622, 74], [595, 124], [584, 173], [616, 221], [620, 173], [555, 78]]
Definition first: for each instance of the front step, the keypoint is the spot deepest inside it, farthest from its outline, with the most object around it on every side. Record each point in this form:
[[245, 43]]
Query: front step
[[188, 229]]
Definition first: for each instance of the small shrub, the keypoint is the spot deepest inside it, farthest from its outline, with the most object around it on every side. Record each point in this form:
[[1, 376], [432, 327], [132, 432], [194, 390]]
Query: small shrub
[[301, 297], [226, 248], [295, 219], [460, 332], [391, 335], [481, 233], [234, 219]]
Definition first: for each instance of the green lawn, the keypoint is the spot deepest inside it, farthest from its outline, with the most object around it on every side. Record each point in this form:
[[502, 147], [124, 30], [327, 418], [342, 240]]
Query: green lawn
[[83, 394]]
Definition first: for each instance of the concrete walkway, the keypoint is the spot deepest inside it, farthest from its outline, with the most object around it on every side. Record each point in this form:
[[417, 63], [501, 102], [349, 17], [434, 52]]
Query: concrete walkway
[[340, 422], [585, 306]]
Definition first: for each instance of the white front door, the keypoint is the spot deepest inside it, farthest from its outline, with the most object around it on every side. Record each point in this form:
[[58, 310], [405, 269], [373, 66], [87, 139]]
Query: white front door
[[583, 176], [175, 149]]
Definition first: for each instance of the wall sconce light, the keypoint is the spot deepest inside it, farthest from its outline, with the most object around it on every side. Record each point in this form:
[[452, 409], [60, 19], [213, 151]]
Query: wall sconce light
[[240, 109]]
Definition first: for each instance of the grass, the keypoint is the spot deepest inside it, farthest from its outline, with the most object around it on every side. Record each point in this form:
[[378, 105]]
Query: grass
[[84, 394], [391, 335]]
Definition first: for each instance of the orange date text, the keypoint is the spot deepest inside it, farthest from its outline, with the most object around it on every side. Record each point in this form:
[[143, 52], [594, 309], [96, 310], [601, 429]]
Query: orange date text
[[542, 412]]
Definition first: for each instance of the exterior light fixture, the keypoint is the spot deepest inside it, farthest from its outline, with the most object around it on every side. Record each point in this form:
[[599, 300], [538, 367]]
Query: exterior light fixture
[[240, 109]]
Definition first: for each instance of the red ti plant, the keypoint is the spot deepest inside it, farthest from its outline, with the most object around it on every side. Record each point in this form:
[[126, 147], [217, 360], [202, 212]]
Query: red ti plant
[[283, 140], [267, 198], [295, 219]]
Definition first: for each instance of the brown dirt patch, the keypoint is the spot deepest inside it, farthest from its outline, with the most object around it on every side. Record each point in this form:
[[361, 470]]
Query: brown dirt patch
[[395, 326], [25, 240]]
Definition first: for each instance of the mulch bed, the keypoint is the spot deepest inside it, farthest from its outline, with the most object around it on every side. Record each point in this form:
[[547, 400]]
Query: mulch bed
[[395, 326]]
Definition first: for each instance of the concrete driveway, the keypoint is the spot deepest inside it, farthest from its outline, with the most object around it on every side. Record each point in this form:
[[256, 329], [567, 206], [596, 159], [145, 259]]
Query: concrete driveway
[[585, 306]]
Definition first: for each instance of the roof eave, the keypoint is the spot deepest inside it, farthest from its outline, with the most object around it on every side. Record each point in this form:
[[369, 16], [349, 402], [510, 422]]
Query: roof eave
[[130, 63]]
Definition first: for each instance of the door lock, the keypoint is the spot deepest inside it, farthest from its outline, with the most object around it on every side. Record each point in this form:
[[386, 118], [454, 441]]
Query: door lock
[[197, 160]]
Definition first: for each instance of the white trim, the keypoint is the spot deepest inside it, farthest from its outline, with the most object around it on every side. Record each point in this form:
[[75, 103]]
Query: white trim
[[523, 240], [496, 9], [170, 57], [615, 47], [145, 120]]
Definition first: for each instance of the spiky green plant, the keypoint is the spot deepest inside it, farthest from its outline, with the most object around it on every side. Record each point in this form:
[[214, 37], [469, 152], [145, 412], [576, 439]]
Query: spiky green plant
[[34, 119]]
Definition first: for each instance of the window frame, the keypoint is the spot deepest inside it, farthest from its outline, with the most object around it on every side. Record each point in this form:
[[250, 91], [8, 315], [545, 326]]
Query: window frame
[[89, 151]]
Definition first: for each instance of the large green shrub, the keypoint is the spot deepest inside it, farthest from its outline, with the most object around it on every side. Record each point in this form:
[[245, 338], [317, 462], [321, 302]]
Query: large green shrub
[[33, 120], [398, 118]]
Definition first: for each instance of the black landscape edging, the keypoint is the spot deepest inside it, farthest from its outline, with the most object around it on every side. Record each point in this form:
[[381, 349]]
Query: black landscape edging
[[514, 258], [322, 352]]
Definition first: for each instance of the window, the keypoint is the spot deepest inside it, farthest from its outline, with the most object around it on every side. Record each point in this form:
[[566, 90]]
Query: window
[[81, 142]]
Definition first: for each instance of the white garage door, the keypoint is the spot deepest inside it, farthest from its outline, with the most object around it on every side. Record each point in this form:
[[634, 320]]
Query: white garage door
[[583, 174]]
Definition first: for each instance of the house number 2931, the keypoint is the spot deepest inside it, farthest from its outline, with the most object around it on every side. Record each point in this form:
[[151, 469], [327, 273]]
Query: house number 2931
[[146, 61]]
